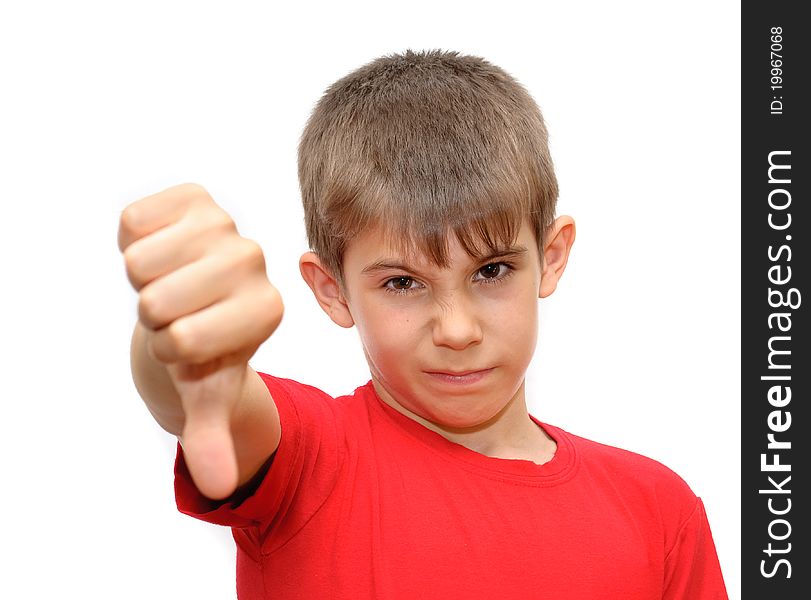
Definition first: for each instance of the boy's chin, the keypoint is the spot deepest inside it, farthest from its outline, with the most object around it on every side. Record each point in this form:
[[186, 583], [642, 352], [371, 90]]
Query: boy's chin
[[462, 418]]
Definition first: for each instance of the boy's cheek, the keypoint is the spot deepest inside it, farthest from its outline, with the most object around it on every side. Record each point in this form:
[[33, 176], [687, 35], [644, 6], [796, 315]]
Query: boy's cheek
[[379, 325], [384, 344]]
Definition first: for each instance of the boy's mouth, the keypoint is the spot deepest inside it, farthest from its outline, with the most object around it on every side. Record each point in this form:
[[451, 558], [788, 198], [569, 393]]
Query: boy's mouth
[[460, 377]]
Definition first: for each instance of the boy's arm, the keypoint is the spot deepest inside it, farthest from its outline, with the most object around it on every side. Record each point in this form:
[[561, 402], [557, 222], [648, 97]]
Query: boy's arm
[[254, 428], [205, 305]]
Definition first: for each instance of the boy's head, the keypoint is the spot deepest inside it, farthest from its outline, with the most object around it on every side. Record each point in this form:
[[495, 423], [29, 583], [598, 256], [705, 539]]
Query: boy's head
[[429, 198], [425, 145]]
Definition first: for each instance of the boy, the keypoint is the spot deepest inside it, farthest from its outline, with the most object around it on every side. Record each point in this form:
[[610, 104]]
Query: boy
[[429, 199]]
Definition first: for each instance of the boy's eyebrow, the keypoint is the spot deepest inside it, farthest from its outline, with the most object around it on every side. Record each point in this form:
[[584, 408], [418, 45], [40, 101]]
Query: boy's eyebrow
[[394, 264]]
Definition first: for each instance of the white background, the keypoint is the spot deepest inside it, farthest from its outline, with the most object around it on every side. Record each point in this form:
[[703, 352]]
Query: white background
[[103, 103]]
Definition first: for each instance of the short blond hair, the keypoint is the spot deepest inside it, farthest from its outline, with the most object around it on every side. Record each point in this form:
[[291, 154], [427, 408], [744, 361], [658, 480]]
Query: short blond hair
[[424, 144]]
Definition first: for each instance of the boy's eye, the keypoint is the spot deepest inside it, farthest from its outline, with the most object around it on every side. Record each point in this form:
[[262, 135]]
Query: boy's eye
[[401, 283], [493, 270]]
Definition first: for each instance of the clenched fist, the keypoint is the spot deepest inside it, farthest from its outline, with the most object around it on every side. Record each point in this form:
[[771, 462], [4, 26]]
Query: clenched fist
[[204, 307]]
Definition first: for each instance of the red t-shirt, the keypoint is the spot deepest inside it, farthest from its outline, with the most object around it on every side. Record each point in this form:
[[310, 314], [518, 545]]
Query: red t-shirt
[[362, 502]]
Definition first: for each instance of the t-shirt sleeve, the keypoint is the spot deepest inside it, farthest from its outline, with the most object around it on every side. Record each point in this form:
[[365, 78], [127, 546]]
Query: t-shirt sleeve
[[692, 570], [298, 477]]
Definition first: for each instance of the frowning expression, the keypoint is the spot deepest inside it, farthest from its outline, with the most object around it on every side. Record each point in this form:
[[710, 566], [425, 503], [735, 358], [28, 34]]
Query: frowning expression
[[450, 345]]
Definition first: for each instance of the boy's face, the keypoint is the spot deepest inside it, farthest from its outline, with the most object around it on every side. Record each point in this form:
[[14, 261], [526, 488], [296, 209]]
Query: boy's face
[[450, 345]]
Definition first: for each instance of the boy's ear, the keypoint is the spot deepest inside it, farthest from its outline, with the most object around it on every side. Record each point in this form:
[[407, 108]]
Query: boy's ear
[[558, 241], [326, 289]]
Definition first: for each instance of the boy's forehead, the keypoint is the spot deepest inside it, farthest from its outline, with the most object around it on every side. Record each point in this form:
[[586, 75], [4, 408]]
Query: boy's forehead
[[379, 245]]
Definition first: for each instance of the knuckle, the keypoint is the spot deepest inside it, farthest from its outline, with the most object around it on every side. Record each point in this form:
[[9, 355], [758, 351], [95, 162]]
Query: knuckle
[[225, 229], [183, 339], [251, 254], [194, 190], [264, 309], [150, 309], [273, 308], [130, 219], [199, 200], [211, 220], [221, 221], [134, 266]]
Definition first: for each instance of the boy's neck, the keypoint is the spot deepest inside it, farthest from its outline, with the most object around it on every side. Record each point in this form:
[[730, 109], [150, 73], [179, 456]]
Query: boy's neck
[[510, 434]]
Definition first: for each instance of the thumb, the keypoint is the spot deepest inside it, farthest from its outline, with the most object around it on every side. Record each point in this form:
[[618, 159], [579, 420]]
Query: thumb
[[209, 393]]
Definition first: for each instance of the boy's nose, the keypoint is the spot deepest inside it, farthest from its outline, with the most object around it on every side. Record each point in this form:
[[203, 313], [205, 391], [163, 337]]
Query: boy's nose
[[457, 324]]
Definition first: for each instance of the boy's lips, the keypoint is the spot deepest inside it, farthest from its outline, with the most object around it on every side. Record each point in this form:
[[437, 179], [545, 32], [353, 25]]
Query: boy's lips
[[460, 377]]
